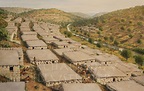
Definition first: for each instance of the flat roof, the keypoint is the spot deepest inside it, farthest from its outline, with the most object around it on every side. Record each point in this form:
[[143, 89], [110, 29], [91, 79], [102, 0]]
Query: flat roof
[[60, 43], [36, 43], [18, 49], [29, 37], [41, 55], [61, 51], [131, 66], [64, 39], [91, 51], [12, 86], [139, 79], [107, 57], [81, 87], [9, 57], [78, 56], [43, 33], [92, 65], [24, 28], [57, 72], [29, 33], [126, 86], [49, 39], [107, 71], [121, 67]]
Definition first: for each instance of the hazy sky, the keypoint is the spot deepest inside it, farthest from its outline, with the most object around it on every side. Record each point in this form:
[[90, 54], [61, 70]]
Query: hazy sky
[[85, 6]]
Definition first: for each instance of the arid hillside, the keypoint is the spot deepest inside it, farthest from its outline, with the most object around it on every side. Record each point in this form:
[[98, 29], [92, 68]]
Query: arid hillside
[[51, 15], [122, 27], [16, 9]]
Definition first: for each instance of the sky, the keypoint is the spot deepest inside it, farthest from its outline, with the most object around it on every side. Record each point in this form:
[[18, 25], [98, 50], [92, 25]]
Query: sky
[[84, 6]]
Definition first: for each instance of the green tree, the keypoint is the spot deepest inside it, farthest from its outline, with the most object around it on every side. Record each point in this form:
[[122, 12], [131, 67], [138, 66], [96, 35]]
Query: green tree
[[139, 50], [126, 53], [90, 40], [139, 60], [68, 34], [3, 23], [3, 34], [99, 45]]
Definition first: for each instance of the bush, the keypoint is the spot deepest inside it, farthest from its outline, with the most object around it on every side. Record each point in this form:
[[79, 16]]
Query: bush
[[3, 23], [139, 50], [126, 53], [140, 24], [90, 40], [130, 35], [3, 34], [99, 45], [68, 34], [139, 60]]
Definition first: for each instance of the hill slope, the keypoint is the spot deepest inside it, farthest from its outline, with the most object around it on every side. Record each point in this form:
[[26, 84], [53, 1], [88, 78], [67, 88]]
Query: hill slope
[[16, 9], [81, 14], [51, 15], [99, 14], [3, 15], [125, 26]]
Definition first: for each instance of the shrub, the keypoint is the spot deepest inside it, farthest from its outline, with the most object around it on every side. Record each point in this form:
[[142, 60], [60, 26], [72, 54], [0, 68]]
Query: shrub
[[67, 33], [139, 60], [3, 34], [140, 24], [90, 40], [139, 50], [130, 35], [99, 45], [3, 23], [126, 53]]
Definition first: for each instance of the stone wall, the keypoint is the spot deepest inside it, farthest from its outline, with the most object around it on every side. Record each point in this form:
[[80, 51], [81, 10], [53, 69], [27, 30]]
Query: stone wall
[[43, 61], [11, 72], [37, 47], [111, 79]]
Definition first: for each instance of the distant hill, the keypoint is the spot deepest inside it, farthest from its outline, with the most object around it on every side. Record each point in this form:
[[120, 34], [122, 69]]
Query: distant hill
[[81, 14], [16, 9], [99, 14], [51, 15], [125, 27]]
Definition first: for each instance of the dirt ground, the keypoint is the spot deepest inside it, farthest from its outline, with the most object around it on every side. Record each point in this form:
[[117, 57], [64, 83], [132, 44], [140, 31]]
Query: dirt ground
[[35, 86]]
